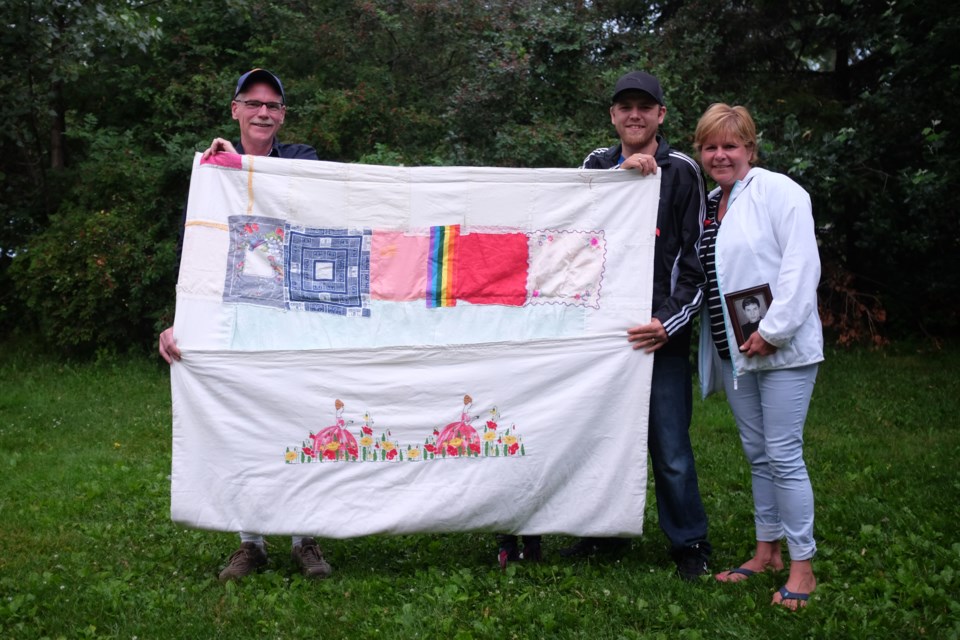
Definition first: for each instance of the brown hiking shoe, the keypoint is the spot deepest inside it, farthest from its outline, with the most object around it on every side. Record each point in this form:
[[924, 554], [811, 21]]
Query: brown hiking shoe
[[244, 561], [310, 559]]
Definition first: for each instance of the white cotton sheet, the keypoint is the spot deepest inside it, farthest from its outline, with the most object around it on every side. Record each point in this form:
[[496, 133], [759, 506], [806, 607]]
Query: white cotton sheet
[[305, 422]]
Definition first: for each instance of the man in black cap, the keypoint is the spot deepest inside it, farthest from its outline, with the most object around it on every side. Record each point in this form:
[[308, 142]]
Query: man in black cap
[[637, 110], [259, 105]]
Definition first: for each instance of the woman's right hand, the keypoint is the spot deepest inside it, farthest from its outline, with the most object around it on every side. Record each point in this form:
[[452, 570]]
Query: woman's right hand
[[757, 346]]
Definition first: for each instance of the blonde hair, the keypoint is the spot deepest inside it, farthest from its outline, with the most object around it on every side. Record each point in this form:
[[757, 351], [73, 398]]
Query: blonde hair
[[723, 121]]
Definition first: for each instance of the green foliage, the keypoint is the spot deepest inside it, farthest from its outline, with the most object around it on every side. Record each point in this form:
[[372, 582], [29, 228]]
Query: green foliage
[[854, 99], [90, 551], [94, 275]]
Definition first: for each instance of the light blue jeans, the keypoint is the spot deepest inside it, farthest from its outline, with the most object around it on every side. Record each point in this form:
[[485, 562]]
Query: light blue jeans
[[770, 408]]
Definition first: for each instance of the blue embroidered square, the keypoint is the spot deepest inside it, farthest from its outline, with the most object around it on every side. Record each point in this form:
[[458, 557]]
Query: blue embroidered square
[[328, 270], [255, 261]]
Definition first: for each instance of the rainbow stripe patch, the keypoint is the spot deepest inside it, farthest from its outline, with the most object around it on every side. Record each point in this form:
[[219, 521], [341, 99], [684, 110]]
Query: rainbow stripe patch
[[441, 266]]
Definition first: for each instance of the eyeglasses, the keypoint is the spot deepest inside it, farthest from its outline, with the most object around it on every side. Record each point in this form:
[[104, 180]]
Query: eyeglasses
[[254, 105]]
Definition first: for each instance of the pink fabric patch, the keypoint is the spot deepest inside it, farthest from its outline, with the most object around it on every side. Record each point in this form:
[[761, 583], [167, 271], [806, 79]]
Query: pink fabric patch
[[492, 269], [398, 266], [222, 159]]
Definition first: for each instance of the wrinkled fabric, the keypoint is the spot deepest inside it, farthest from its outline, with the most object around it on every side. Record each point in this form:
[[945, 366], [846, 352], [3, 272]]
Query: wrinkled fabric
[[320, 392]]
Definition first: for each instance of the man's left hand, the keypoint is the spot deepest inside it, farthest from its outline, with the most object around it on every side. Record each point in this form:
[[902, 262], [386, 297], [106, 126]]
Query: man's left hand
[[642, 162], [219, 145], [649, 337]]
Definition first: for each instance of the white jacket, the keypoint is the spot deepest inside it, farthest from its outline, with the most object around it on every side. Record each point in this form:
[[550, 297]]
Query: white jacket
[[767, 236]]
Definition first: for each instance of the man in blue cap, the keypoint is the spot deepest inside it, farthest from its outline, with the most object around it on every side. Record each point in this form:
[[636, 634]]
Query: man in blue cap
[[259, 105], [636, 112]]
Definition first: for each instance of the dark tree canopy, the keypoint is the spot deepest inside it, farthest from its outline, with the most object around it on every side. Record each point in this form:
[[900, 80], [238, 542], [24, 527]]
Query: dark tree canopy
[[855, 99]]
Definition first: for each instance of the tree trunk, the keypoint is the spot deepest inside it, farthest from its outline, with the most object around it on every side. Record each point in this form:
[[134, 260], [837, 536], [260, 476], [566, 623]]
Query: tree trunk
[[58, 129], [841, 66]]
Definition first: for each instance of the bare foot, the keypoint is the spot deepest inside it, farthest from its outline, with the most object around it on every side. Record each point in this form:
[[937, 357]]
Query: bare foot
[[753, 566], [801, 582], [767, 556]]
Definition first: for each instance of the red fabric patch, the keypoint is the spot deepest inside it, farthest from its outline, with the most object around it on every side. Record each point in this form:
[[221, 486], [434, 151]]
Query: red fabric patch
[[492, 269], [228, 160]]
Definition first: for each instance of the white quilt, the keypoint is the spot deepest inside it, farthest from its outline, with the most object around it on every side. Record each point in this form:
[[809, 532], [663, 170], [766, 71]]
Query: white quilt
[[395, 350]]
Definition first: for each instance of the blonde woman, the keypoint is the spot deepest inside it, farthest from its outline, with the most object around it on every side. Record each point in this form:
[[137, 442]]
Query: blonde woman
[[759, 233]]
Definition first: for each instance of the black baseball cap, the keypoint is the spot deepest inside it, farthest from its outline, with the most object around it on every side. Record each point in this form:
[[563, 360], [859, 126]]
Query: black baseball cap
[[259, 75], [638, 81]]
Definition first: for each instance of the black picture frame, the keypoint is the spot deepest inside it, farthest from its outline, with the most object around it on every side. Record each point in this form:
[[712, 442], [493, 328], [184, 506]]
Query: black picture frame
[[740, 316]]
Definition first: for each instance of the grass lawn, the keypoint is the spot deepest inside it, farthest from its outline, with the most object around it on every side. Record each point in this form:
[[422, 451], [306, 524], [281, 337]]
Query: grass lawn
[[87, 549]]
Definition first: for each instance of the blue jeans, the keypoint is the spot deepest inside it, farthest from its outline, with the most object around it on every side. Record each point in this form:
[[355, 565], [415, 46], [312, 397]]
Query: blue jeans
[[679, 506], [770, 408]]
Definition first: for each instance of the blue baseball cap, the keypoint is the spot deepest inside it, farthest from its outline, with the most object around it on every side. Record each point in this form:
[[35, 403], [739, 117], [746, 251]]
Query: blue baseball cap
[[259, 75]]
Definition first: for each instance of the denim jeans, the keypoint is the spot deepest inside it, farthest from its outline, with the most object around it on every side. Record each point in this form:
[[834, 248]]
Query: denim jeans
[[770, 408], [679, 506]]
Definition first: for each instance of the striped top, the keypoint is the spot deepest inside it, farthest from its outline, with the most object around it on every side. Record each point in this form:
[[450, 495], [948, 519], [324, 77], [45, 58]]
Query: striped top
[[708, 258]]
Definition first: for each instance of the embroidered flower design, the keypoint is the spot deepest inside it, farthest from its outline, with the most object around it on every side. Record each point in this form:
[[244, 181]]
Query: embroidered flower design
[[455, 440]]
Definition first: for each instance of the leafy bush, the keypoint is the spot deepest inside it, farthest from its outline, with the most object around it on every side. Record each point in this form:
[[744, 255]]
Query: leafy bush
[[93, 280], [100, 276]]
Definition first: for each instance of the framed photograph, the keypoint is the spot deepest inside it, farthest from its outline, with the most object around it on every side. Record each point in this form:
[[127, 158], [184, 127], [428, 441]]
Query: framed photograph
[[746, 308]]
